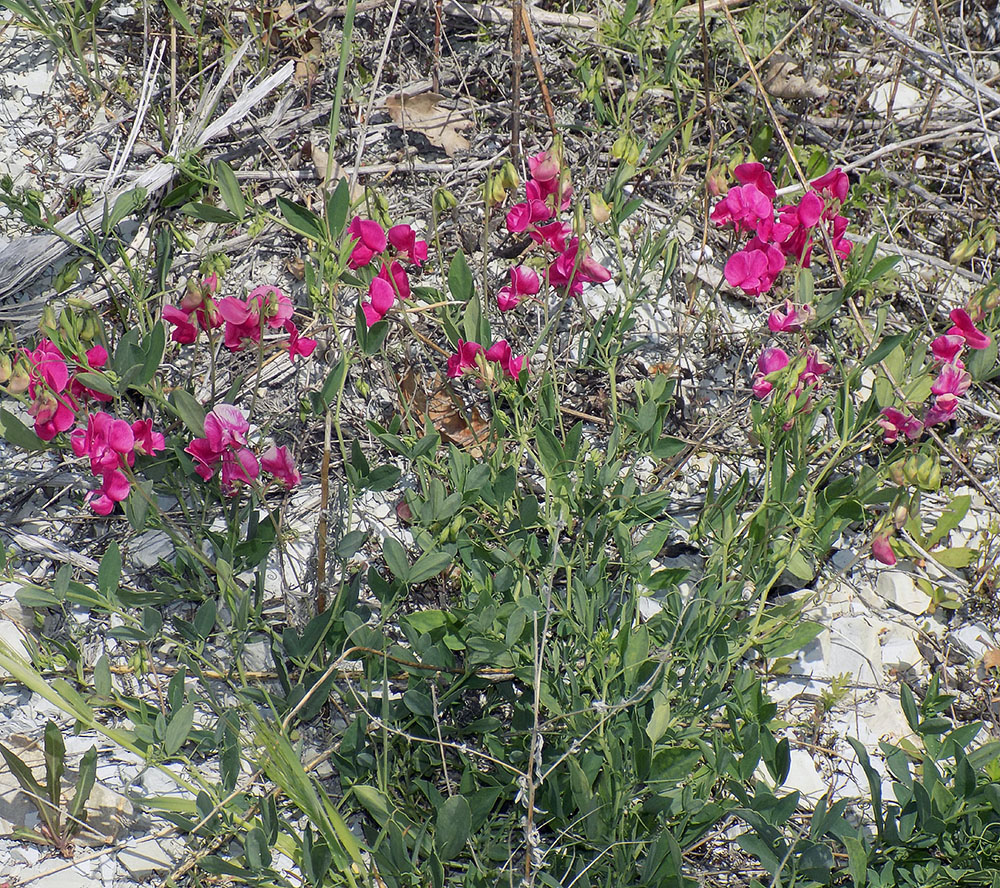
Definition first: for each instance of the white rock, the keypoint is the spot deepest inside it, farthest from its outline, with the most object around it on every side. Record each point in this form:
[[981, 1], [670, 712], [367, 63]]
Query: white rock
[[11, 635], [803, 776], [56, 874], [974, 639], [849, 647], [899, 649], [899, 589], [145, 857], [150, 547]]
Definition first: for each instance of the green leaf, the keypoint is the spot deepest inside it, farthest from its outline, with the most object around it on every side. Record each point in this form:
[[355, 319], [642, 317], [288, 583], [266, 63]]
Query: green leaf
[[909, 707], [229, 188], [126, 204], [178, 729], [550, 451], [36, 596], [452, 832], [472, 320], [189, 411], [87, 774], [180, 16], [207, 213], [299, 219], [99, 382], [18, 434], [153, 347], [884, 348], [430, 564], [789, 642], [395, 559], [55, 759], [102, 677], [460, 278], [857, 861], [880, 268], [109, 573], [337, 206], [960, 556]]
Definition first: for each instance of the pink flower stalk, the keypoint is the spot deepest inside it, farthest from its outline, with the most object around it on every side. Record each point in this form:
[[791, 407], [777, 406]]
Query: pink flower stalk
[[965, 328], [746, 208], [298, 345], [502, 354], [882, 551], [946, 348], [952, 380], [895, 423], [370, 237], [278, 462], [242, 322], [464, 359], [395, 275], [834, 184], [404, 240], [771, 360], [523, 282], [521, 215], [754, 268], [755, 174], [381, 297], [791, 319]]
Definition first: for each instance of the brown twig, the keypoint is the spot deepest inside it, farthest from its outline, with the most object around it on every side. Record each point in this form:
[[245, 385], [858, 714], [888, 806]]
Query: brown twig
[[529, 34], [515, 83]]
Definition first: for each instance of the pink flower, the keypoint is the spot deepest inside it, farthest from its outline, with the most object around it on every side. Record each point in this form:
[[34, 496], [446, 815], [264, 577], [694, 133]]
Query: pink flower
[[242, 322], [746, 208], [771, 360], [53, 408], [543, 167], [225, 441], [554, 193], [404, 240], [841, 245], [814, 369], [370, 237], [754, 268], [795, 225], [226, 427], [502, 354], [946, 348], [570, 273], [791, 319], [521, 215], [942, 410], [882, 551], [381, 297], [966, 329], [523, 282], [106, 441], [272, 305], [147, 442], [755, 174], [834, 184], [398, 280], [184, 331], [278, 462], [464, 359], [952, 381], [96, 357], [553, 235], [298, 345], [895, 423], [114, 488], [239, 466]]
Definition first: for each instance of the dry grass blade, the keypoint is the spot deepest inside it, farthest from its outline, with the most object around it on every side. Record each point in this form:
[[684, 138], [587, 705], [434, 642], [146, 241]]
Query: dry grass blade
[[423, 113]]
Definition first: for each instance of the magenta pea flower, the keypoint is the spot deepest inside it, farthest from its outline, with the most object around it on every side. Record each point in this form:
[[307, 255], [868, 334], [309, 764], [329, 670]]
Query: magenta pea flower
[[543, 167], [895, 423], [965, 328], [464, 359], [272, 305], [946, 348], [370, 238], [771, 360], [530, 212], [523, 282], [242, 322], [298, 345], [52, 407], [502, 354], [834, 184], [952, 380], [395, 275], [553, 235], [278, 462], [404, 240], [755, 174], [882, 550], [106, 441], [942, 410], [146, 441], [790, 319], [754, 268], [225, 441], [184, 332], [381, 297], [746, 208]]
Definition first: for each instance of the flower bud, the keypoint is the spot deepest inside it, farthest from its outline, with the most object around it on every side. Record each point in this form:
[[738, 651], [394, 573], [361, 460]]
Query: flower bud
[[990, 239], [6, 368], [19, 379], [508, 176], [626, 149], [70, 324], [964, 251], [900, 516], [193, 295], [579, 219], [716, 181], [49, 324], [88, 332], [600, 212], [897, 473], [496, 194], [444, 201]]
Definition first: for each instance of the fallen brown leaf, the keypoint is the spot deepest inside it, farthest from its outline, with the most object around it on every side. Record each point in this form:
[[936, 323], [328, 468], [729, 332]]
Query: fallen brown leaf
[[457, 423], [423, 113], [991, 659], [785, 81]]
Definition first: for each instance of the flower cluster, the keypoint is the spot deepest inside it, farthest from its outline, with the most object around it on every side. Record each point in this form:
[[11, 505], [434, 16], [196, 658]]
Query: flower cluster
[[467, 358], [749, 208], [244, 319], [111, 444], [371, 241], [547, 194], [225, 444], [952, 381]]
